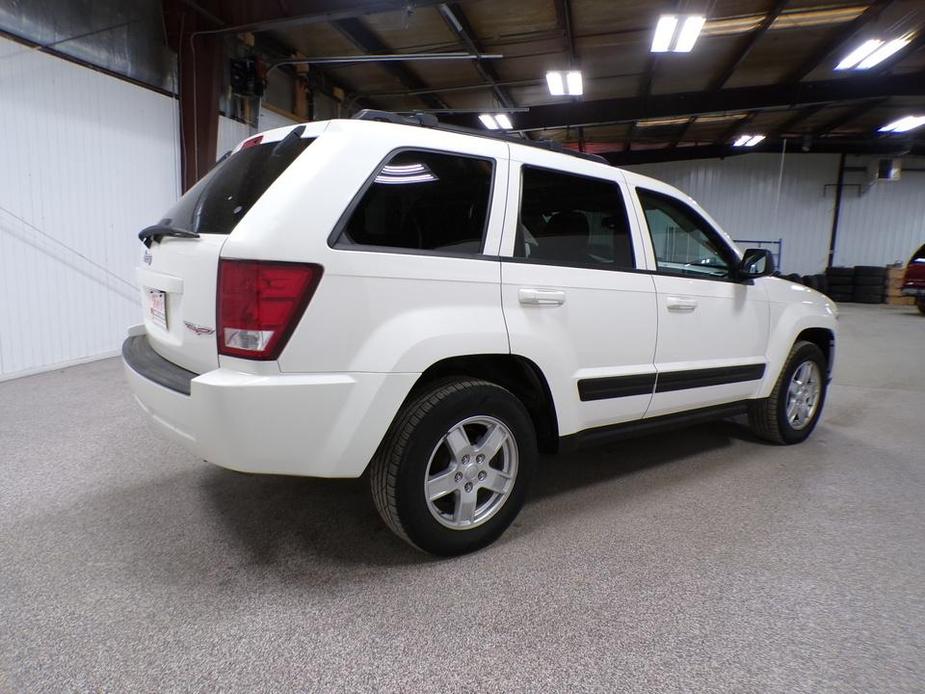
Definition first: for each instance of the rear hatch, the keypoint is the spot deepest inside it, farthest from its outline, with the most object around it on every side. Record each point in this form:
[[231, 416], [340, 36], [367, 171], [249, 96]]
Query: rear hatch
[[179, 278]]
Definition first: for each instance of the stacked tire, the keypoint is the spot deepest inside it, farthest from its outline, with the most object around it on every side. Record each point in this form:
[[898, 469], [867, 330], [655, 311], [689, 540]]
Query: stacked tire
[[840, 283], [817, 282], [869, 284]]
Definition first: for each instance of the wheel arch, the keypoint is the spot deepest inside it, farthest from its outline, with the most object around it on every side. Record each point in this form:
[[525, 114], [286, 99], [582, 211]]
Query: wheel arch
[[516, 373], [824, 339]]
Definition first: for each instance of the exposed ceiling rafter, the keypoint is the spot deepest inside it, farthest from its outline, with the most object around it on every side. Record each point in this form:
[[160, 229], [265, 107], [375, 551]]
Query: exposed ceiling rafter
[[841, 37], [366, 40], [456, 20], [746, 45], [774, 96]]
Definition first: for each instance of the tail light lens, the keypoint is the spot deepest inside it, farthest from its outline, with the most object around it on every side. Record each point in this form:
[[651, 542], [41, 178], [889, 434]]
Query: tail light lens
[[260, 303]]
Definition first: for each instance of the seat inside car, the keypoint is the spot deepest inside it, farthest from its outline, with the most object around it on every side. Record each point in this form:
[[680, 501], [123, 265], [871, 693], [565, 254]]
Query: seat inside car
[[564, 237]]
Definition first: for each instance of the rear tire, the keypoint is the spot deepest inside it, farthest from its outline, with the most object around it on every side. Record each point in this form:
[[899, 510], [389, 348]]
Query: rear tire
[[453, 470], [920, 303], [772, 419]]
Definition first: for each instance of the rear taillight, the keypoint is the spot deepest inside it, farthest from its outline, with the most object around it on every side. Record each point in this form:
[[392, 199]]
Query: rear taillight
[[259, 305]]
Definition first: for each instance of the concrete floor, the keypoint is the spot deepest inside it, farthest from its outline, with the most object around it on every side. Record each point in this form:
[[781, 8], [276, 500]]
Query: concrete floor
[[698, 562]]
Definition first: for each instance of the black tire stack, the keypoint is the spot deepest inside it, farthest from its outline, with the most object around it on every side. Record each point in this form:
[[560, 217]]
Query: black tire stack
[[817, 282], [869, 284], [840, 283]]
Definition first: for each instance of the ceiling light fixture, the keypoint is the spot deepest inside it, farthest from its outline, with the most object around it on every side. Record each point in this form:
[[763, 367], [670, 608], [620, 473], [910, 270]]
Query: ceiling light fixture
[[872, 52], [562, 83], [684, 39], [498, 121], [689, 33], [903, 124], [858, 54], [504, 121], [748, 140], [884, 52], [664, 31]]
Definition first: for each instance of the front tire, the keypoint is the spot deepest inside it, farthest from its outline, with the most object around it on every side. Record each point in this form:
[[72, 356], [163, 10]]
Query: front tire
[[792, 410], [453, 470]]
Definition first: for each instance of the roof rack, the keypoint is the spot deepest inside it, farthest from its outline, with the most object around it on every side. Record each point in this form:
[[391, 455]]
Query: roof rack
[[429, 120]]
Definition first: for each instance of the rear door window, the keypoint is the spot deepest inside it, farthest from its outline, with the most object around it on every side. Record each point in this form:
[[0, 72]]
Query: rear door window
[[423, 201], [566, 219], [223, 196]]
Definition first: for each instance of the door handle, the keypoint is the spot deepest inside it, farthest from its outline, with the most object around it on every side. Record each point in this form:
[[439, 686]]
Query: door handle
[[681, 304], [535, 296]]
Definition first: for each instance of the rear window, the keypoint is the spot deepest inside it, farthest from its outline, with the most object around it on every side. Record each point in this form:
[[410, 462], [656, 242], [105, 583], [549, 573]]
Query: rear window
[[223, 196], [423, 201], [918, 256]]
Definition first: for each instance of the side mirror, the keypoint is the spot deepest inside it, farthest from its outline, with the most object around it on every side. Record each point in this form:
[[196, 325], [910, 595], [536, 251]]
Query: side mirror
[[756, 262]]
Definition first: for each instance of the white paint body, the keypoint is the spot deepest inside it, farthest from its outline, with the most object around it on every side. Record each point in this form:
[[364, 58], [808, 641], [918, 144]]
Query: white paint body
[[378, 320]]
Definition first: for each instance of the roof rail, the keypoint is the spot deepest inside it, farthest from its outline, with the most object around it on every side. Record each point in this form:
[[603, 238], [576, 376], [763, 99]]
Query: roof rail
[[429, 120], [426, 120]]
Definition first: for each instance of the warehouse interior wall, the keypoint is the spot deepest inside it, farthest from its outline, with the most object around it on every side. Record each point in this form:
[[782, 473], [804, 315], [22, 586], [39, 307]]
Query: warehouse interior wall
[[88, 160], [879, 223], [882, 223]]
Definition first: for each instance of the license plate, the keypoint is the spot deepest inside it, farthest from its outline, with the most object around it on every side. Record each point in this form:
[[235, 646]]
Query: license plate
[[157, 307]]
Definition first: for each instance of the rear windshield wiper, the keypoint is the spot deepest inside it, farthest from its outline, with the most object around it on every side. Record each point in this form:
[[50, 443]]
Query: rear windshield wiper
[[158, 231]]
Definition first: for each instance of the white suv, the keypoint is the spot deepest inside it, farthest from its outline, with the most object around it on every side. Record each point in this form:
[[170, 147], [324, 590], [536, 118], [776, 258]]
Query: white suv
[[439, 306]]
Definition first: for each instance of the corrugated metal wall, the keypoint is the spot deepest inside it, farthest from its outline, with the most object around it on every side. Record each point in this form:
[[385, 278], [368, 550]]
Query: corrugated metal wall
[[882, 225], [741, 194], [886, 222], [230, 133], [87, 161]]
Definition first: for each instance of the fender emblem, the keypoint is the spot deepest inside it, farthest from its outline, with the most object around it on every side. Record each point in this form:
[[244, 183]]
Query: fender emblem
[[147, 258], [198, 329]]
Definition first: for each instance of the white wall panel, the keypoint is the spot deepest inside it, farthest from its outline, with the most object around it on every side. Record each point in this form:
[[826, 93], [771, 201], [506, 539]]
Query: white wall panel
[[267, 120], [741, 194], [88, 160], [230, 134], [886, 223]]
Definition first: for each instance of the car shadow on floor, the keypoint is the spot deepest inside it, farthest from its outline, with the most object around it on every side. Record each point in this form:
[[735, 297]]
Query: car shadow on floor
[[290, 519]]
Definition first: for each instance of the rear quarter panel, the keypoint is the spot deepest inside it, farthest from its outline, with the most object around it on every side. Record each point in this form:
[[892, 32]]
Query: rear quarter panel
[[376, 311]]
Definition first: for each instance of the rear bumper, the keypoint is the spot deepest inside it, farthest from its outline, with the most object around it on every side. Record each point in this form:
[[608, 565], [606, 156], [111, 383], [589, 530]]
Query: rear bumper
[[316, 425], [914, 291]]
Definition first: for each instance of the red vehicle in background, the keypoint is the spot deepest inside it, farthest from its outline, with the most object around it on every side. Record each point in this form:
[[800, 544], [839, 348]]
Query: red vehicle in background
[[914, 281]]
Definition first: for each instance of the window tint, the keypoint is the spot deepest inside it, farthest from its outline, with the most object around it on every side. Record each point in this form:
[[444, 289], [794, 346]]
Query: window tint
[[572, 219], [681, 238], [223, 196], [424, 201]]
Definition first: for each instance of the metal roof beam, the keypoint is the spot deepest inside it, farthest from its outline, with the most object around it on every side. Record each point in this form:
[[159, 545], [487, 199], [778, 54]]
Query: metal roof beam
[[869, 15], [564, 20], [363, 38], [624, 109], [747, 44], [459, 24], [849, 146]]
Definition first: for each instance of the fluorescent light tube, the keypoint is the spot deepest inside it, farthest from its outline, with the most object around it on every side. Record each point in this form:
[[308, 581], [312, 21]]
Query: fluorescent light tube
[[882, 53], [554, 81], [573, 81], [690, 30], [664, 31], [503, 121], [488, 121], [742, 140], [903, 124], [858, 54], [754, 140]]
